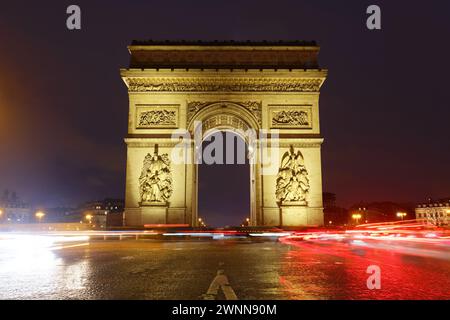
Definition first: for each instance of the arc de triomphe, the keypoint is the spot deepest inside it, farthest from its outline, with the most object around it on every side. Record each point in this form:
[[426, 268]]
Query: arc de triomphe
[[271, 89]]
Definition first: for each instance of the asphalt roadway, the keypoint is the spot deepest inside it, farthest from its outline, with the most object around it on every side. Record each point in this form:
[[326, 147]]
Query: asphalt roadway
[[217, 269]]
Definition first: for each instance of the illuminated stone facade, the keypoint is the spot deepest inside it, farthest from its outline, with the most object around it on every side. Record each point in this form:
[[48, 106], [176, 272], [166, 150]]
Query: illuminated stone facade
[[435, 212], [225, 86]]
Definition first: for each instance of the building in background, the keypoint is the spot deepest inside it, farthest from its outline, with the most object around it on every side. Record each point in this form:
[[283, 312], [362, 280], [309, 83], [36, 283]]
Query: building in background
[[100, 214], [375, 212], [329, 200], [436, 212], [333, 215], [13, 209]]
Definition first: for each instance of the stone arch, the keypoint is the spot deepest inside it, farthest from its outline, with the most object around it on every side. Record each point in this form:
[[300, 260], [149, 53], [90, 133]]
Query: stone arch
[[175, 94], [223, 115], [234, 117]]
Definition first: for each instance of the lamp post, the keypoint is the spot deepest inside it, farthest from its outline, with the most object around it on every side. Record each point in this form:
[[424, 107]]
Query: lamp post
[[40, 215], [401, 215], [356, 217], [89, 218]]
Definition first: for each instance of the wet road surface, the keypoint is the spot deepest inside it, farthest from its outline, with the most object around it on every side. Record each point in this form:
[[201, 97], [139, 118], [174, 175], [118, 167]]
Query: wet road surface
[[154, 269]]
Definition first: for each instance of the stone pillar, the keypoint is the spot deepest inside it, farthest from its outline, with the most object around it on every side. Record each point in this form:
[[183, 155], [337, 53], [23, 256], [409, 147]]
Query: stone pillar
[[154, 213], [294, 214]]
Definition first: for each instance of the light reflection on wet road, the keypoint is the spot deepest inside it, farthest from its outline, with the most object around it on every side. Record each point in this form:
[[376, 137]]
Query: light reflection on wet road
[[152, 269]]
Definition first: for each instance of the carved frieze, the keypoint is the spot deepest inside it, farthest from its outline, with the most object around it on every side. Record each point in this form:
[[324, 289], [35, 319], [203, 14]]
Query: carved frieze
[[223, 84], [156, 117]]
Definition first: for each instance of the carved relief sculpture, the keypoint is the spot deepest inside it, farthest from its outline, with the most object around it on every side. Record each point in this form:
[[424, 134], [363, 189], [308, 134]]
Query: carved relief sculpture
[[292, 179], [220, 85], [290, 118], [194, 107], [156, 118], [156, 179]]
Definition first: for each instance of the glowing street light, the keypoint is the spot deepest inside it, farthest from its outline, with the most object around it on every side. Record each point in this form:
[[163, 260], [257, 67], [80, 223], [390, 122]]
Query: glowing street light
[[201, 222], [89, 218], [356, 217], [401, 215], [39, 215]]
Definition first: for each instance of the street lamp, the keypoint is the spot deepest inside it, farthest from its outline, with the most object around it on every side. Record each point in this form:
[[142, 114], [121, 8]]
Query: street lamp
[[89, 218], [40, 215], [356, 217], [401, 215]]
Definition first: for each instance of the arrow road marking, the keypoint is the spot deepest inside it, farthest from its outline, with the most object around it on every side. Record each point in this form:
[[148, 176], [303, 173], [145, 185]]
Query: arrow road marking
[[220, 282]]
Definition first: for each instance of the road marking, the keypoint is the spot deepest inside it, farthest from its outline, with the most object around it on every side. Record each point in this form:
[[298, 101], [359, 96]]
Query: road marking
[[220, 282]]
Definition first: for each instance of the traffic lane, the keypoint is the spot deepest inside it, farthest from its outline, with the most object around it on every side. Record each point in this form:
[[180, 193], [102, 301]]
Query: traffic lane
[[142, 269], [148, 269], [185, 270], [338, 270]]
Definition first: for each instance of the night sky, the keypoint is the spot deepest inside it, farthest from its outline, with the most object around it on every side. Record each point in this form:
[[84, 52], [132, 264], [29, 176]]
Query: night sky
[[384, 107]]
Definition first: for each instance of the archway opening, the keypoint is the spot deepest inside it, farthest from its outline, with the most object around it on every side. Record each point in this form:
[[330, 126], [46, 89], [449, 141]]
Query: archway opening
[[224, 180]]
